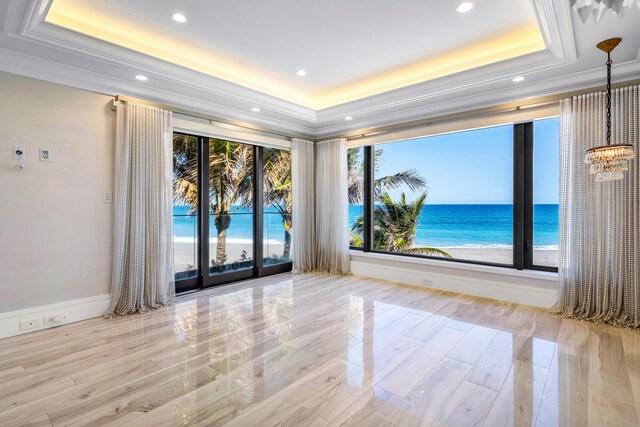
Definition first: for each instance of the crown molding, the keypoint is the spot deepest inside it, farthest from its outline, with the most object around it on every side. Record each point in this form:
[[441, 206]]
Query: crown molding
[[32, 47], [554, 19]]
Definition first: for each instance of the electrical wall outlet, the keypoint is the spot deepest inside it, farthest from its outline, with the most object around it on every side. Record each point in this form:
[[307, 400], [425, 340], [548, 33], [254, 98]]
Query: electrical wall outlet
[[427, 282], [54, 320], [28, 325]]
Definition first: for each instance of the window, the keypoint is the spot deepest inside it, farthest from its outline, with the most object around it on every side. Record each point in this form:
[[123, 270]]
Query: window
[[185, 206], [230, 206], [232, 211], [355, 167], [546, 186], [471, 196], [277, 206], [448, 196]]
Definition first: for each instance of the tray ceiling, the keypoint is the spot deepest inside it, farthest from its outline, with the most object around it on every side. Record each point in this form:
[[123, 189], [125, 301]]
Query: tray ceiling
[[377, 62], [350, 50]]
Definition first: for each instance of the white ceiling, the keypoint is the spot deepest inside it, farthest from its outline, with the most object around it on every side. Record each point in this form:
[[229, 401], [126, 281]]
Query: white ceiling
[[338, 42], [261, 44]]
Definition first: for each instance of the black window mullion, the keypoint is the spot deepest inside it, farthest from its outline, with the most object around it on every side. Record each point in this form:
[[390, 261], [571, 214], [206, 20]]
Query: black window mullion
[[527, 219], [203, 210], [518, 195], [369, 170], [258, 207]]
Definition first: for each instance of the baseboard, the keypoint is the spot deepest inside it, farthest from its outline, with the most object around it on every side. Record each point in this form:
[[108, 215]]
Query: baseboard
[[67, 312], [530, 295]]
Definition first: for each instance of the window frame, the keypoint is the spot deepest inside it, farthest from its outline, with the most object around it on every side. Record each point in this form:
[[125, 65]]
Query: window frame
[[523, 146], [204, 279]]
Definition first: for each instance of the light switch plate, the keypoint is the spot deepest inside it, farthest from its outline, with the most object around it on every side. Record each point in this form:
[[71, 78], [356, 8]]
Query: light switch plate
[[107, 197], [45, 155]]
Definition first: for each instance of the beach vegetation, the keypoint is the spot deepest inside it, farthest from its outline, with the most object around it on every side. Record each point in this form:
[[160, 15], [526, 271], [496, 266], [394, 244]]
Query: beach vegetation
[[395, 223]]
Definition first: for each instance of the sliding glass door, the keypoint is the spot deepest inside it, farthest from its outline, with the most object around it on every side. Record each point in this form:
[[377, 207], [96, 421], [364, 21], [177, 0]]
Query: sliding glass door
[[230, 179], [244, 191], [276, 184]]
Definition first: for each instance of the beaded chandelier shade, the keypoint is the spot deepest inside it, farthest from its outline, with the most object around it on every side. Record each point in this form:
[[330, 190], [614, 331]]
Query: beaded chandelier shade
[[597, 8], [610, 161]]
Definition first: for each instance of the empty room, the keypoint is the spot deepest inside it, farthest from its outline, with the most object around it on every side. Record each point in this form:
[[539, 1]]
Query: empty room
[[320, 213]]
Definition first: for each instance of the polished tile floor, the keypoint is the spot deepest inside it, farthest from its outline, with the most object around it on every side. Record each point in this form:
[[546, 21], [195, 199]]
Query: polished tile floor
[[318, 350]]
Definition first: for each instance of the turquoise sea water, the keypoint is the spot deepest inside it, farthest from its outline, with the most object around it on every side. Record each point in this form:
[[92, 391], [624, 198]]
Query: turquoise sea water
[[240, 231], [478, 226], [444, 226]]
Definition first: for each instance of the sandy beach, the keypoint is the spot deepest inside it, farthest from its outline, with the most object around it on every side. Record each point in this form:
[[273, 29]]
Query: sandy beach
[[546, 257], [185, 254]]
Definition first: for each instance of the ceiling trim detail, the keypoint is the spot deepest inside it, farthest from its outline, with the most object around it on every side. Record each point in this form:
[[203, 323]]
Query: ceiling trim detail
[[32, 47]]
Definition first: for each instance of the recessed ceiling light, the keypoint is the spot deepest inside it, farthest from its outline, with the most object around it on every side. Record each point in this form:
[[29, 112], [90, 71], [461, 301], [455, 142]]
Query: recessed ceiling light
[[348, 118], [142, 78], [518, 79], [464, 7], [255, 109], [301, 73], [178, 17]]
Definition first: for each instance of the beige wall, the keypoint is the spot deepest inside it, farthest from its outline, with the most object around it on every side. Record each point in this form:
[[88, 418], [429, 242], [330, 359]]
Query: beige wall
[[55, 231]]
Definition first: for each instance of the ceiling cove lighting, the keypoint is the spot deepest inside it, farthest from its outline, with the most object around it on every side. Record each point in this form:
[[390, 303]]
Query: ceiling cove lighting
[[142, 78], [608, 162], [301, 73], [518, 79], [178, 17], [348, 118], [464, 7], [255, 109]]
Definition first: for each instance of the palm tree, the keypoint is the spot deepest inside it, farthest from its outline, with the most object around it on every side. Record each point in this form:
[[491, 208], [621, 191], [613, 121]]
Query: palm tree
[[230, 181], [230, 186], [277, 189], [355, 177], [185, 171], [395, 226], [355, 166]]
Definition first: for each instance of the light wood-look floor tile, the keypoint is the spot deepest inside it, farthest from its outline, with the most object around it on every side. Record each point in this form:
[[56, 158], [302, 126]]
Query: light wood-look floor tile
[[319, 350]]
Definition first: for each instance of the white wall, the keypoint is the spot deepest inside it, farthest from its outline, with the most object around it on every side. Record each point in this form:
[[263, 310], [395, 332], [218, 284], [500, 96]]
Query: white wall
[[55, 231], [535, 288]]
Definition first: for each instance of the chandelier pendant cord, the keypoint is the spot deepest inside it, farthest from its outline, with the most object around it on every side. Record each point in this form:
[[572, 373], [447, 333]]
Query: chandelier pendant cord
[[609, 98]]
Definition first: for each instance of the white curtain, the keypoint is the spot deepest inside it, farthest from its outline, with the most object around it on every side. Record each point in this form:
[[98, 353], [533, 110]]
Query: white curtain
[[599, 228], [332, 204], [303, 216], [143, 276]]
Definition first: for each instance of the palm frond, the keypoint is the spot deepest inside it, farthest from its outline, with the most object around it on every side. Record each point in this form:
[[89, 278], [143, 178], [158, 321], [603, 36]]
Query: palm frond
[[427, 250], [411, 178]]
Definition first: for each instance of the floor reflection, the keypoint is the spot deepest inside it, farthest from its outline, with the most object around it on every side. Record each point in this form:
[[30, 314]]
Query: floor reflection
[[324, 350]]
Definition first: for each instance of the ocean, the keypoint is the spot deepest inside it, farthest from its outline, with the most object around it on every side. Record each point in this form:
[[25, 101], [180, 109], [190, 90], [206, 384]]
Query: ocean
[[443, 226], [478, 226], [240, 231]]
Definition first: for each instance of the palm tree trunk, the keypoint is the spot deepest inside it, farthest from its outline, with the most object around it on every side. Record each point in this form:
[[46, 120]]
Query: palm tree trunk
[[221, 246], [287, 244], [287, 220]]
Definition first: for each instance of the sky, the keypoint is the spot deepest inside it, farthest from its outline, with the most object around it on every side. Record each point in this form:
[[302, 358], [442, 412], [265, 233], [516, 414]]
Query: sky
[[475, 167]]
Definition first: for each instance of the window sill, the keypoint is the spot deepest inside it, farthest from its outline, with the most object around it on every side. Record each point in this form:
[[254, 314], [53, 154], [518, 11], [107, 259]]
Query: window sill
[[547, 276]]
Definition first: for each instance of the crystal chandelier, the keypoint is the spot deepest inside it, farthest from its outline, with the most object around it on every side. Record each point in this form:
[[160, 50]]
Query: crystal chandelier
[[597, 8], [608, 162]]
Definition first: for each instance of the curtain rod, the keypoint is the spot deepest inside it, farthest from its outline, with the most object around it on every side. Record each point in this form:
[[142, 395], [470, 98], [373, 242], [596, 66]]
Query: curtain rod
[[500, 108], [210, 118]]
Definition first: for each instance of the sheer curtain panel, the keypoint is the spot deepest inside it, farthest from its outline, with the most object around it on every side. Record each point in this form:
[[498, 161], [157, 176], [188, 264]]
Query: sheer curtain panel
[[143, 276], [599, 222], [303, 217], [332, 204]]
